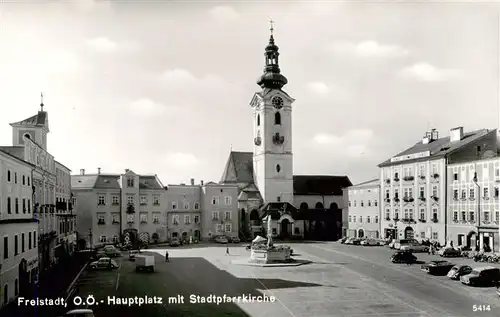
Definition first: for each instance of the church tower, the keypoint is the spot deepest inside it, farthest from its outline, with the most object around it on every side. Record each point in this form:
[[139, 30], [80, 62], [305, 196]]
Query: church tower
[[35, 128], [272, 126]]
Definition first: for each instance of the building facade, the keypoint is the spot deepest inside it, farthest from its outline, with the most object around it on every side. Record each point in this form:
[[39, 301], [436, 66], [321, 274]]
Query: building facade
[[473, 207], [18, 229], [117, 207], [414, 183], [264, 178], [66, 219], [364, 210]]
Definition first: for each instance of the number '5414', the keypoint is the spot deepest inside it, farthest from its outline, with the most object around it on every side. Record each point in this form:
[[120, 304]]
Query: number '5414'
[[481, 308]]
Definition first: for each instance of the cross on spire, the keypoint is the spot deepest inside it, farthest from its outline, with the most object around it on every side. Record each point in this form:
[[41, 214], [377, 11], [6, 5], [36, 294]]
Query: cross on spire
[[271, 23], [41, 101]]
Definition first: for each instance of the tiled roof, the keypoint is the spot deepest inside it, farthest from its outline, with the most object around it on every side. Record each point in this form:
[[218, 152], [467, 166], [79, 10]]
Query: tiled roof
[[40, 119], [83, 181], [17, 151], [375, 181], [15, 157], [319, 184], [57, 162], [239, 168], [149, 182], [276, 210], [438, 148], [104, 181]]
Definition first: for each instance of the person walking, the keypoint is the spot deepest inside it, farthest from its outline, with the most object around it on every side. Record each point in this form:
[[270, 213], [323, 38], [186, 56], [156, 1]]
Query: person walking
[[227, 250], [166, 256]]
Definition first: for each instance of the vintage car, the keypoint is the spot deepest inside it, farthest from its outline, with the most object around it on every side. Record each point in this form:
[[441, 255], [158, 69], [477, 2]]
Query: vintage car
[[414, 248], [221, 239], [111, 251], [403, 257], [235, 240], [370, 242], [103, 264], [459, 270], [449, 252], [437, 267], [482, 276]]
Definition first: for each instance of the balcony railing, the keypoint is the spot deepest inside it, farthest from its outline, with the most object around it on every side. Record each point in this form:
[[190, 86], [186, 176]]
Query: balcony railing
[[422, 220], [435, 175], [472, 198], [486, 198], [408, 178], [396, 179], [408, 199], [422, 198]]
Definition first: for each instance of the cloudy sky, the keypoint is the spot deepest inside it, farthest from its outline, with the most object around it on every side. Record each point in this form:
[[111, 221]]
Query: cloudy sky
[[164, 86]]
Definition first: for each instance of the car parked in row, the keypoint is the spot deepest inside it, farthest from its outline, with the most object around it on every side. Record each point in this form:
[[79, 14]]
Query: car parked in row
[[438, 267], [403, 257], [482, 276], [449, 252], [413, 247], [221, 239], [103, 264], [459, 270], [174, 242], [370, 242]]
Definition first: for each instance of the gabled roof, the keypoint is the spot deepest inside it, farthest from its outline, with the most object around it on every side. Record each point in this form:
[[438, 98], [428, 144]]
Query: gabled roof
[[149, 182], [319, 184], [15, 157], [17, 151], [104, 181], [373, 182], [239, 168], [40, 120], [83, 181], [438, 148]]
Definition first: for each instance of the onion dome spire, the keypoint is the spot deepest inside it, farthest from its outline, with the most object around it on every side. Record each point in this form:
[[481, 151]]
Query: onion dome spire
[[272, 77]]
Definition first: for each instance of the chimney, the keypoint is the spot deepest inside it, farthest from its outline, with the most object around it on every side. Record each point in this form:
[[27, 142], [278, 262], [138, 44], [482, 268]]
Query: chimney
[[98, 170], [126, 170], [82, 171], [456, 134], [434, 135], [192, 181], [201, 182]]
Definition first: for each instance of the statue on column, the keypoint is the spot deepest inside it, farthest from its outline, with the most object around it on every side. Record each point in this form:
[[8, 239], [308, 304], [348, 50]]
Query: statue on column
[[269, 232]]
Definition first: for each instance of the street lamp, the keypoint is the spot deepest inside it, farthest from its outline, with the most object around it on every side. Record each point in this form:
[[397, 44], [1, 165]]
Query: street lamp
[[474, 179]]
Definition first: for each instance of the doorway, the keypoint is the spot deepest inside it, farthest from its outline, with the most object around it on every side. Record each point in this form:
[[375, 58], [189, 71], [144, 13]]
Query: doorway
[[409, 233], [285, 230]]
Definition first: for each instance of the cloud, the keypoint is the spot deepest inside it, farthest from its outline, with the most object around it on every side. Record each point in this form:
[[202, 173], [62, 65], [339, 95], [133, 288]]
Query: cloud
[[148, 107], [178, 75], [224, 13], [89, 5], [368, 49], [429, 73], [106, 45], [320, 88], [182, 160], [353, 143]]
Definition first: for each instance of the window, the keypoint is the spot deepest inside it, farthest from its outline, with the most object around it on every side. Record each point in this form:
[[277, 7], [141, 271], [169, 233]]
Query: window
[[396, 193], [354, 203], [227, 200], [100, 200], [349, 203], [116, 200], [143, 218], [422, 234], [130, 200], [218, 228], [396, 175], [156, 219], [24, 205], [23, 241], [455, 194], [29, 241], [174, 205], [434, 214], [185, 205], [422, 214], [486, 192], [471, 193], [102, 239], [410, 213], [15, 177], [17, 205], [455, 216], [24, 180], [16, 244], [116, 218], [486, 216], [422, 170], [497, 216], [406, 214], [277, 118], [5, 247], [496, 192], [387, 194], [362, 204], [360, 218], [353, 218], [396, 213], [258, 120], [130, 182], [434, 168], [175, 219], [29, 206], [215, 215], [421, 192], [434, 191], [34, 239], [197, 219], [369, 203], [130, 218], [464, 216], [156, 200], [464, 194], [228, 227], [215, 200], [187, 219], [227, 215], [387, 214], [8, 176], [100, 220], [375, 203], [28, 181], [368, 220], [116, 238], [455, 176], [435, 236], [196, 206], [144, 200], [376, 219], [350, 218]]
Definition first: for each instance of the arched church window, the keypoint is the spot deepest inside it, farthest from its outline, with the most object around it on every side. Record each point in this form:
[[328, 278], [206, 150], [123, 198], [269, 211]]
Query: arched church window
[[277, 118], [278, 168], [258, 120]]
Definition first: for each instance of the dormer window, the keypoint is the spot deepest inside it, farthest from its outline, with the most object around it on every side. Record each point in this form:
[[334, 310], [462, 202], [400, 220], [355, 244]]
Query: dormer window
[[130, 182]]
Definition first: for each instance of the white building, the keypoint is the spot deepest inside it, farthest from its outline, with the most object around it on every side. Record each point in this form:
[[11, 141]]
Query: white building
[[18, 229], [364, 210], [414, 187], [66, 219]]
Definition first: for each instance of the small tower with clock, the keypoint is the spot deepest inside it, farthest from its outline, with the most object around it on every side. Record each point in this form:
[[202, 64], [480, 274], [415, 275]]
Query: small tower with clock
[[272, 125]]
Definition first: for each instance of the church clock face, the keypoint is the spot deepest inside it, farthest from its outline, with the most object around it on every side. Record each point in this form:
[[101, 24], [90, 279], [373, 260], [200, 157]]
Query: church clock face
[[277, 102]]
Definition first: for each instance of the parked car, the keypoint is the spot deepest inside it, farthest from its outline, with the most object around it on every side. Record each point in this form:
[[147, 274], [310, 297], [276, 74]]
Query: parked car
[[221, 239], [399, 243], [349, 240], [437, 267], [80, 313], [111, 251], [449, 252], [342, 240], [370, 242], [482, 276], [235, 240], [356, 241], [403, 257], [174, 242], [415, 248], [459, 270], [132, 254], [498, 290], [104, 263]]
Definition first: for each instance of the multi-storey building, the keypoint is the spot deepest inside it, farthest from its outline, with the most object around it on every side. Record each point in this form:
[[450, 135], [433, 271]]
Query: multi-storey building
[[473, 207], [66, 219], [29, 143], [111, 207], [413, 183], [18, 229], [364, 210], [202, 211]]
